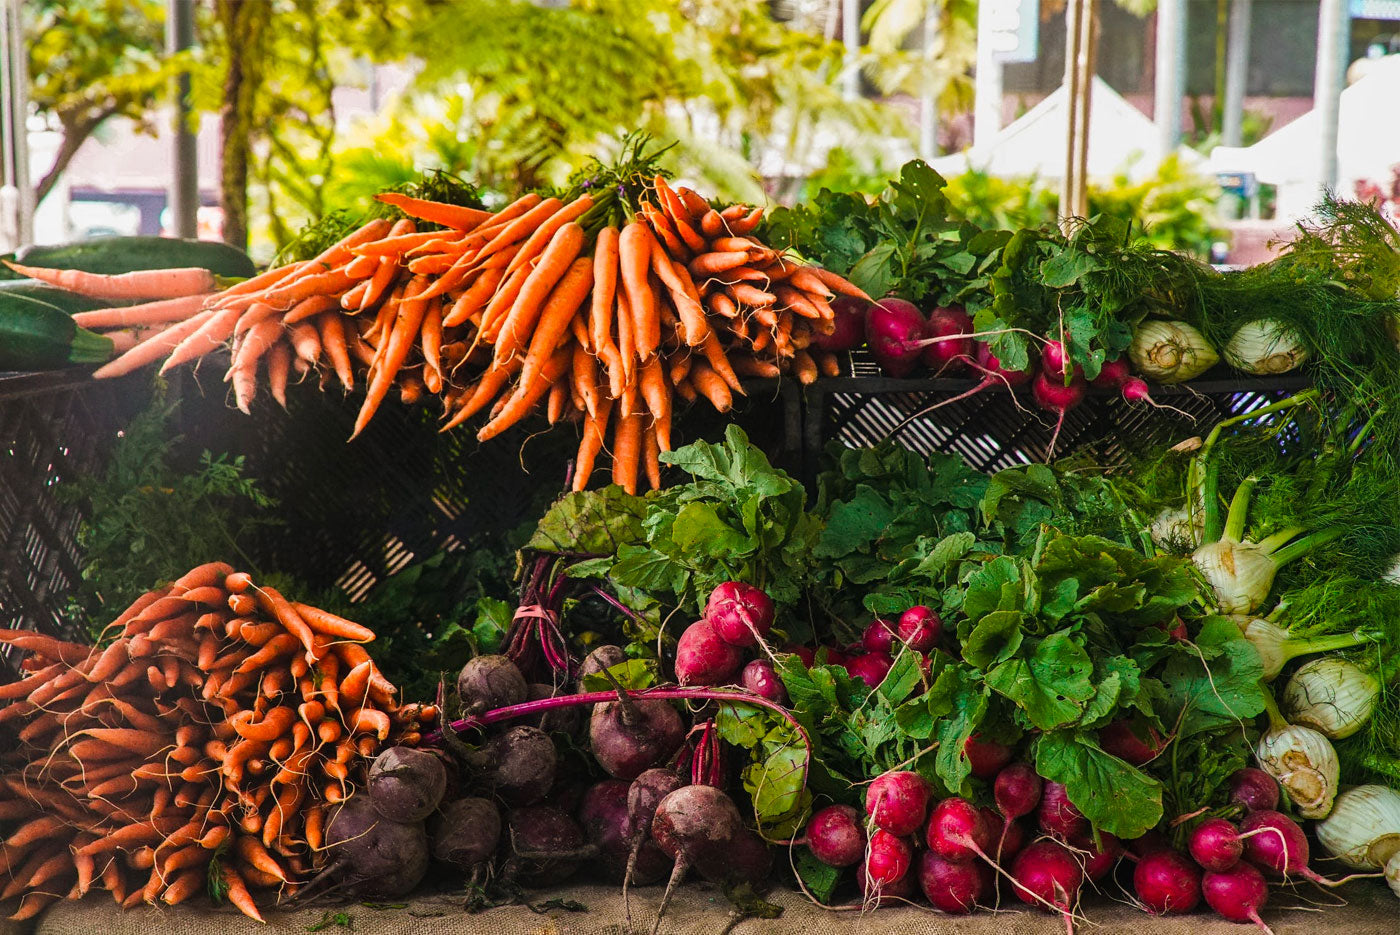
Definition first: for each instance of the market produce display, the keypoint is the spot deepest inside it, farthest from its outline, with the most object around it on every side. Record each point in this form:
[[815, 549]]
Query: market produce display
[[205, 746]]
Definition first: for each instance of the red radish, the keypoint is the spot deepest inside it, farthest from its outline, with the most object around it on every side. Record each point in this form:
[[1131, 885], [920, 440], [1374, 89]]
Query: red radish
[[1113, 374], [1009, 835], [987, 757], [893, 328], [956, 830], [1055, 397], [1054, 361], [1099, 858], [1216, 844], [1057, 814], [1017, 790], [1150, 842], [897, 801], [1045, 872], [1167, 883], [878, 636], [953, 324], [1237, 894], [1176, 630], [835, 836], [1253, 788], [760, 678], [954, 886], [887, 858], [870, 668], [886, 894], [1121, 740], [848, 317], [702, 658], [739, 613], [993, 374], [835, 656], [804, 653], [1273, 841], [919, 628]]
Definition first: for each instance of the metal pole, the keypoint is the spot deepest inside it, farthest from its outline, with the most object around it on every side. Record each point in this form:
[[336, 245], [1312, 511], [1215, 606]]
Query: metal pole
[[1171, 74], [184, 182], [986, 104], [1333, 36], [850, 37], [928, 99], [1236, 73], [1073, 36]]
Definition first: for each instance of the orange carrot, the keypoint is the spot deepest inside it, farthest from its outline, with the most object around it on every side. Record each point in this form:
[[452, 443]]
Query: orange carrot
[[149, 313], [719, 362], [557, 266], [635, 247], [837, 284], [527, 396], [711, 223], [583, 379], [152, 348], [237, 892], [491, 383], [696, 206], [355, 685], [328, 624], [273, 725], [537, 241], [333, 340], [309, 307], [626, 343], [558, 399], [394, 351], [458, 216], [627, 450], [709, 264], [255, 313], [746, 223], [185, 885], [594, 429], [243, 373], [553, 321], [692, 314], [369, 720], [658, 398], [430, 334], [605, 259], [651, 449], [270, 600], [141, 284], [664, 231], [751, 295], [521, 226], [306, 340], [712, 386], [475, 298], [279, 368]]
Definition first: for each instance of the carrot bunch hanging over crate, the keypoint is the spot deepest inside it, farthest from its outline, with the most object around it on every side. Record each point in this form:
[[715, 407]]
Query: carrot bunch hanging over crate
[[217, 725], [601, 306]]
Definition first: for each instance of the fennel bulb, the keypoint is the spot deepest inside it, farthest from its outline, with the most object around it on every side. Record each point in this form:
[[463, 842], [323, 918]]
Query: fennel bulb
[[1330, 695], [1276, 645], [1303, 763], [1170, 351], [1363, 830], [1265, 346]]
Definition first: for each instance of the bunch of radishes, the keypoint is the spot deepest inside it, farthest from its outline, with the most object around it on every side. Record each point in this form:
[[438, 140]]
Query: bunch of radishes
[[901, 337], [711, 651]]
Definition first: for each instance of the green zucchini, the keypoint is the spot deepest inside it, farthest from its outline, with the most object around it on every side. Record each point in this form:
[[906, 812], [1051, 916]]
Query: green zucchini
[[69, 302], [124, 254], [35, 335]]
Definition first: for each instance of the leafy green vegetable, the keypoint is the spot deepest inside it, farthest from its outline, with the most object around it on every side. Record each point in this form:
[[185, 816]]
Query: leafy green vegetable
[[1112, 794]]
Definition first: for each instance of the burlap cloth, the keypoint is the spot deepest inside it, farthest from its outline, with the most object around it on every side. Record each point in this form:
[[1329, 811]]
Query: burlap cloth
[[699, 910]]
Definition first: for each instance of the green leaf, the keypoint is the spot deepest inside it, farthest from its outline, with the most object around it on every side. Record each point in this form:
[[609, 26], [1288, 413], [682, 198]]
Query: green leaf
[[995, 638], [994, 586], [902, 678], [1065, 268], [698, 528], [820, 879], [1051, 685], [631, 674], [968, 705], [594, 522], [775, 783], [853, 525], [493, 619], [1222, 692], [1113, 795]]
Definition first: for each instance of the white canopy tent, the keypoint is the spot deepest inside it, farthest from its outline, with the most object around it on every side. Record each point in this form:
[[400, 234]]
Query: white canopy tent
[[1368, 144], [1121, 139]]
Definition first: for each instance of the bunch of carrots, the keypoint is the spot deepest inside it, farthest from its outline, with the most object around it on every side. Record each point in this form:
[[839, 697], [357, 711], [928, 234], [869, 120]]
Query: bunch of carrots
[[200, 747], [599, 317]]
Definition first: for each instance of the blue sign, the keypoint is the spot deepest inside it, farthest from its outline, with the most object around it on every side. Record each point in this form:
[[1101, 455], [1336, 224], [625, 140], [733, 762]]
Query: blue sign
[[1375, 9], [1015, 29]]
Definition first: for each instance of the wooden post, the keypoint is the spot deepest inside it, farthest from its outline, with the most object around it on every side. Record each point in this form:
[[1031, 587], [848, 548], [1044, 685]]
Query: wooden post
[[1081, 40], [184, 181], [1236, 73]]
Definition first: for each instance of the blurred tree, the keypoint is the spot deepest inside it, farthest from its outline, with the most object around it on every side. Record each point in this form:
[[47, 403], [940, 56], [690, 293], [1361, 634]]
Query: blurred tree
[[90, 60]]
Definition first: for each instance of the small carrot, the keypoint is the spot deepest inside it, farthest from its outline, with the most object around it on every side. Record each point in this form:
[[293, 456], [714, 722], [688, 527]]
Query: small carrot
[[553, 322], [141, 284], [710, 264], [332, 334], [279, 369], [635, 247], [657, 395], [237, 892], [369, 720], [271, 600], [436, 212], [626, 344], [249, 849], [651, 448], [328, 624], [430, 336], [313, 828], [558, 265], [474, 298], [687, 302], [535, 244], [557, 401], [306, 340], [274, 724], [184, 886], [149, 313], [583, 379], [355, 685], [282, 645], [627, 450], [712, 386], [152, 348], [526, 397], [394, 351], [662, 228], [310, 307], [838, 284], [520, 227], [719, 362]]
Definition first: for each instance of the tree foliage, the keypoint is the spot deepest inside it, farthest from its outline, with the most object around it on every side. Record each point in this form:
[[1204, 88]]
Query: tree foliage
[[90, 60]]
